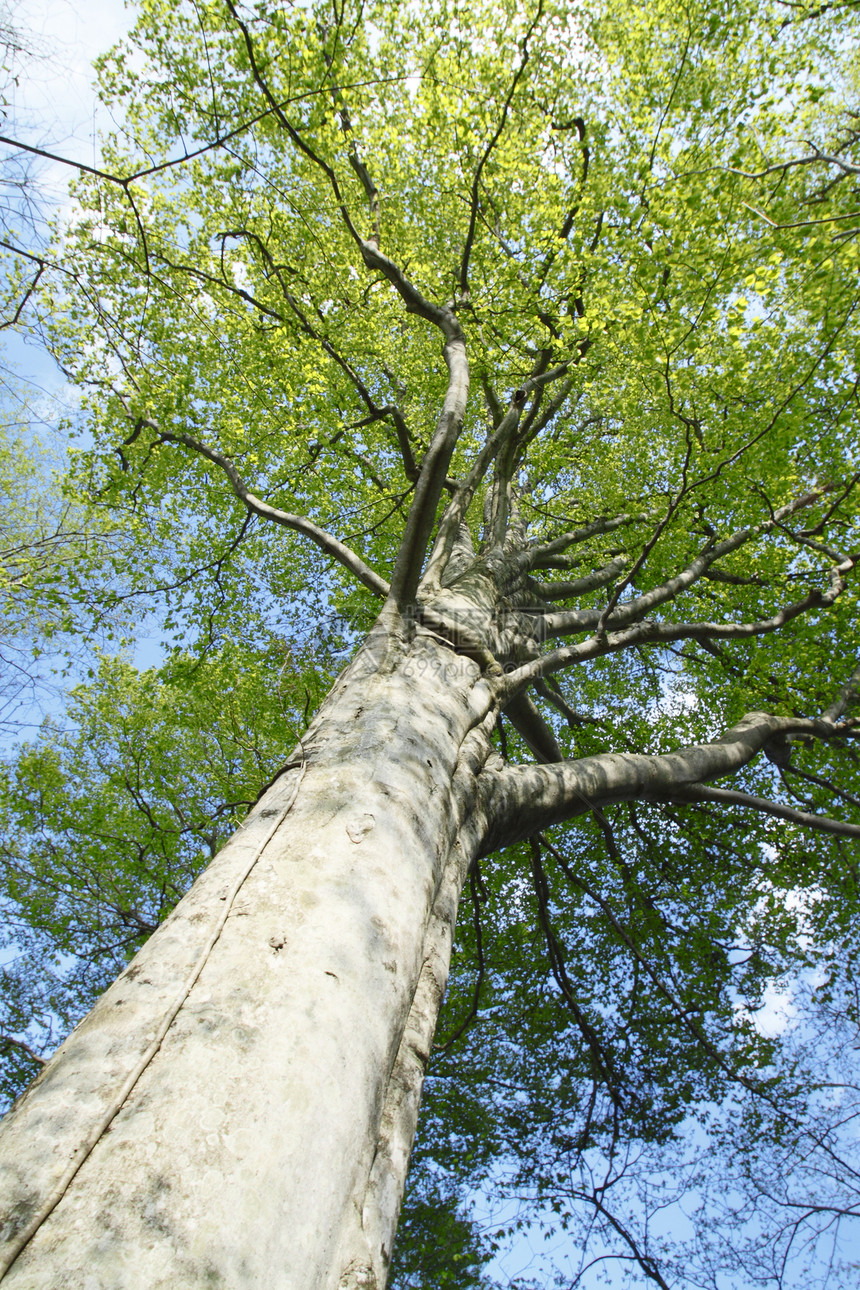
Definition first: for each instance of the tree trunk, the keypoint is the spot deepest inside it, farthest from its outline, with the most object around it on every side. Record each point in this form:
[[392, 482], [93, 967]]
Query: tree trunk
[[239, 1107]]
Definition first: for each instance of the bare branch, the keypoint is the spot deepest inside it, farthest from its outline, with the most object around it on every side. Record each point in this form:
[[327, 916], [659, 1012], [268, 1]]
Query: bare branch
[[613, 616], [120, 182], [807, 14], [646, 1263], [550, 555], [433, 474], [819, 780], [212, 279], [663, 522], [524, 800], [377, 413], [532, 429], [299, 523], [371, 192], [578, 124], [731, 797]]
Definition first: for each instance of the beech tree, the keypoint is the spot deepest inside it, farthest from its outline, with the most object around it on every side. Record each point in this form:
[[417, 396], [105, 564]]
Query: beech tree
[[593, 563]]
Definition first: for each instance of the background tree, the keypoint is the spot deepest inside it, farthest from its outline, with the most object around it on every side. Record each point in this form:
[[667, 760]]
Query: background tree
[[609, 685], [49, 533]]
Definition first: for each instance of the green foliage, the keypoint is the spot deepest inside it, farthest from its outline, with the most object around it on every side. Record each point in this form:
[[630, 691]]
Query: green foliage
[[645, 194], [105, 824], [437, 1246], [715, 338], [56, 553]]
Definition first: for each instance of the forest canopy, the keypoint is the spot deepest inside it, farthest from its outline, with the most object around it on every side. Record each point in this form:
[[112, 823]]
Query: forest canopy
[[385, 305]]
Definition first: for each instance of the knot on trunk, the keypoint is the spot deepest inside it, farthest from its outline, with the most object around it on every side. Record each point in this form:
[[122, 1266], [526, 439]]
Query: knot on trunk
[[358, 1276]]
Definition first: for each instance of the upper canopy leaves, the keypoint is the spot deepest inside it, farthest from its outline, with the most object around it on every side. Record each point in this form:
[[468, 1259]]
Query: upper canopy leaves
[[572, 186]]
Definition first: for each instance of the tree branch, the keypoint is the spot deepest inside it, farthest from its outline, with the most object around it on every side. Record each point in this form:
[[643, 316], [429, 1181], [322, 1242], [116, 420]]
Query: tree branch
[[526, 719], [476, 179], [732, 797], [550, 555], [433, 475], [645, 1262], [574, 719], [525, 800], [601, 1058], [299, 523], [505, 430], [803, 223], [649, 633], [219, 142], [377, 413], [567, 621], [846, 696], [590, 582], [781, 166], [455, 513], [25, 1049], [291, 130]]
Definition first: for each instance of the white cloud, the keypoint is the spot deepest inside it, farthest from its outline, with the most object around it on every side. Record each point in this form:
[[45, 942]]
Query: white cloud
[[777, 1014]]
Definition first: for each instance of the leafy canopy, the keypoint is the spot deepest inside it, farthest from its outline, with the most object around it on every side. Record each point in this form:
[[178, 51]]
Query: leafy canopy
[[642, 219]]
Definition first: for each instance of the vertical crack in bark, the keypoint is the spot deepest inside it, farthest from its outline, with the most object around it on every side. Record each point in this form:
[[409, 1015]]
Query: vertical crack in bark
[[83, 1152], [399, 1117], [370, 1247]]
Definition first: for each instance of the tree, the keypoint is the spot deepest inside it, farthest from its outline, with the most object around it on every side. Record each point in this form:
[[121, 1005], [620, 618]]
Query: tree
[[47, 530], [603, 555], [46, 535]]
